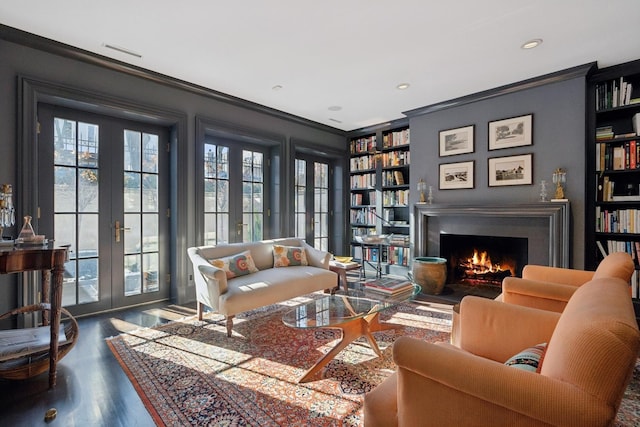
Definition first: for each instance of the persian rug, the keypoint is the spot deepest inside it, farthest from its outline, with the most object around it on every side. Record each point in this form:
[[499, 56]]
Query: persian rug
[[188, 372]]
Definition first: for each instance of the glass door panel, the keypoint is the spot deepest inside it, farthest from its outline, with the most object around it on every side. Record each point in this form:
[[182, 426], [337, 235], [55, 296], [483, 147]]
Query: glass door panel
[[311, 203], [216, 194]]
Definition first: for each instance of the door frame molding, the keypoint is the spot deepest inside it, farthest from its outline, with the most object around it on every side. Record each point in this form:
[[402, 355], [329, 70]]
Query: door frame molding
[[32, 91], [275, 144]]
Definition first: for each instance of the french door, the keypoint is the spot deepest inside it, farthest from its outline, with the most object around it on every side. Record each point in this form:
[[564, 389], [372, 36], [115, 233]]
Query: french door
[[311, 206], [234, 192], [103, 189]]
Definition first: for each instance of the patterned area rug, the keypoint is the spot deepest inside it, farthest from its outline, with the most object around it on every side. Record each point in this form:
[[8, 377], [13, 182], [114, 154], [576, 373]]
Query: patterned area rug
[[190, 373]]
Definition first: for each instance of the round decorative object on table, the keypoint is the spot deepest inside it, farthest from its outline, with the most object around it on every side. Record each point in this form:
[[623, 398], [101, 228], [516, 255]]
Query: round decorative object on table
[[430, 273]]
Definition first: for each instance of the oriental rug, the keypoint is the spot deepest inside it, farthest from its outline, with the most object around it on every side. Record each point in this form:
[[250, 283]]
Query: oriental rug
[[188, 372]]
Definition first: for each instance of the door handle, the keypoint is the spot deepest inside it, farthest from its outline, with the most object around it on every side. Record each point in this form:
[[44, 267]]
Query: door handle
[[118, 228], [239, 227]]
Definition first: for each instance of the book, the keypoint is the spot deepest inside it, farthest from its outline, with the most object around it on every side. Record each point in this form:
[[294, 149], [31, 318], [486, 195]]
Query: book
[[388, 285]]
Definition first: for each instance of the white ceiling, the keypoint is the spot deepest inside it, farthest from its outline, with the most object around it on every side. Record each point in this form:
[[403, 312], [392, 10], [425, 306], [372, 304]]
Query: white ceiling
[[346, 53]]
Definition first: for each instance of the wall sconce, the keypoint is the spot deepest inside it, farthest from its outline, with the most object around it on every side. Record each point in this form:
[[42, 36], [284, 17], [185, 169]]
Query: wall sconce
[[559, 179], [422, 187]]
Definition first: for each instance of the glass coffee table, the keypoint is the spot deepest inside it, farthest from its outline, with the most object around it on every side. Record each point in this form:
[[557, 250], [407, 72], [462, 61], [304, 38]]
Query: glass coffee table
[[356, 315]]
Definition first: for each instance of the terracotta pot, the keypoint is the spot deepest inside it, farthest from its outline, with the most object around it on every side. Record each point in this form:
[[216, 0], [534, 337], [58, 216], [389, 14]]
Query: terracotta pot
[[430, 273]]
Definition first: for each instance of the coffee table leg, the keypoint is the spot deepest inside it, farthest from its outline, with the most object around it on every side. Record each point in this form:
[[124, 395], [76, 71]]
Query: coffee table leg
[[351, 331]]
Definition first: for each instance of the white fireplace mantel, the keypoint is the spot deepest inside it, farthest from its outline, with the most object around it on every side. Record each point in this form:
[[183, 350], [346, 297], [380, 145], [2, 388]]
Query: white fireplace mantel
[[546, 224]]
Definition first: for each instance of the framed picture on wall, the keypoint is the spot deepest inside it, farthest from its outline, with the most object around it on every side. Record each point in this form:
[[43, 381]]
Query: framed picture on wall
[[456, 175], [513, 132], [456, 141], [511, 170]]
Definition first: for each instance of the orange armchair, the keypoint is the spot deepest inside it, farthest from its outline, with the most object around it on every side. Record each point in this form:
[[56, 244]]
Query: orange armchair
[[549, 288], [592, 349]]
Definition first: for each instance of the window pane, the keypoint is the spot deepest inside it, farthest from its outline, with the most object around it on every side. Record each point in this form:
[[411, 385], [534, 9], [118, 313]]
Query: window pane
[[150, 229], [64, 142], [88, 190], [132, 275], [151, 283], [150, 192], [132, 236], [87, 145], [132, 147], [132, 202], [150, 153]]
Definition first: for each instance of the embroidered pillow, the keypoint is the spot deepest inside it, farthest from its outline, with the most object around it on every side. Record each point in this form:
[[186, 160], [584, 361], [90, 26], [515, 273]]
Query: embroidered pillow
[[287, 256], [529, 359], [236, 265]]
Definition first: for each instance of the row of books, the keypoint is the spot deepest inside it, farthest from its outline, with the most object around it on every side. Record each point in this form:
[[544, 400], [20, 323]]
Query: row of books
[[361, 231], [395, 198], [389, 286], [364, 216], [393, 139], [363, 163], [617, 220], [607, 191], [390, 178], [363, 145], [366, 180], [369, 198], [399, 255], [396, 158], [369, 253], [625, 156], [614, 93]]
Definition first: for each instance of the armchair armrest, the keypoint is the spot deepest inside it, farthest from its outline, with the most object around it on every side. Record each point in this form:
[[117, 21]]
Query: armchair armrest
[[497, 331], [536, 294], [316, 257], [441, 385], [565, 276]]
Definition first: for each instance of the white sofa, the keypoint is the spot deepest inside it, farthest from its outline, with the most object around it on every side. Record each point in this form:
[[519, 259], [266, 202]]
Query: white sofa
[[268, 285]]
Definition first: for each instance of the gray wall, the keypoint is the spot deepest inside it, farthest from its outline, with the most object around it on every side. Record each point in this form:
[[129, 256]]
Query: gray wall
[[18, 59], [558, 141]]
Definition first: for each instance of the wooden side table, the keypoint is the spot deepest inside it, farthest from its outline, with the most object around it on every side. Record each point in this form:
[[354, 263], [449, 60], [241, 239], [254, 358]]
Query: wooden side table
[[50, 261], [341, 270]]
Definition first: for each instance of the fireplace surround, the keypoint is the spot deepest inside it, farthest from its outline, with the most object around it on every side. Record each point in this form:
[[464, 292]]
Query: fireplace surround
[[545, 225]]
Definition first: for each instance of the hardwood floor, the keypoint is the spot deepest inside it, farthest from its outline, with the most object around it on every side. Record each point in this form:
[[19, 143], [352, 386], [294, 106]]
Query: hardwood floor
[[92, 389]]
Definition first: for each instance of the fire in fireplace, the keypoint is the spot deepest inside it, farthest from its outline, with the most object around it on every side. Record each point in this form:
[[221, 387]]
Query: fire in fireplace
[[482, 260]]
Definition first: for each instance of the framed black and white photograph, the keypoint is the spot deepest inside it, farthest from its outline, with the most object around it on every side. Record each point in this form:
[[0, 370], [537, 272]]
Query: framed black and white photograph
[[456, 175], [456, 141], [513, 132], [511, 170]]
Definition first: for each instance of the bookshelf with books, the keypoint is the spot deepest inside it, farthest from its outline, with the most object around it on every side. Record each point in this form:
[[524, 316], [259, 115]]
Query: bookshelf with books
[[379, 179], [613, 202]]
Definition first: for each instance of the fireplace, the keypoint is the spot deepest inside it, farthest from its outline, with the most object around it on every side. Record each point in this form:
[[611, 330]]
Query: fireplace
[[545, 227], [482, 260]]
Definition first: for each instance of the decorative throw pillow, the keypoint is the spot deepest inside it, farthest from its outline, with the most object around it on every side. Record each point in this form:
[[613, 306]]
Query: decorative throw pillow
[[287, 256], [236, 265], [529, 359]]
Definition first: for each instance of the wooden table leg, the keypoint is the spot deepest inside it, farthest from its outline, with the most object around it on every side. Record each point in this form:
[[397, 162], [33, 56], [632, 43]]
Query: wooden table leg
[[351, 331], [56, 303]]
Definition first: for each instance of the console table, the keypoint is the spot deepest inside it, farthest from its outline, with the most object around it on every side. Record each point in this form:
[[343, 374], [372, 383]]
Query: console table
[[50, 261]]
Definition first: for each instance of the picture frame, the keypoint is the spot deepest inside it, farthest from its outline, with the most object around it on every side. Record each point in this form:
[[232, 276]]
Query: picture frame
[[458, 175], [511, 132], [511, 170], [457, 141]]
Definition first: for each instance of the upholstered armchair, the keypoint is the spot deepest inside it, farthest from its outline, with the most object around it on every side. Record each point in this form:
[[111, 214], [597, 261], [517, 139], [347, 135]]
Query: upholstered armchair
[[549, 288], [591, 351]]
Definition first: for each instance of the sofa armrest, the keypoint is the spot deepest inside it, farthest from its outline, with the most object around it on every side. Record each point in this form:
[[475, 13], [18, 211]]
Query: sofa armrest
[[536, 294], [454, 387], [210, 281], [565, 276], [215, 277], [316, 257], [497, 331]]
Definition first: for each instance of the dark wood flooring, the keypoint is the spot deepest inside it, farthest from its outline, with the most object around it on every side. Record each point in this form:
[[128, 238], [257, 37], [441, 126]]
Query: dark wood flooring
[[92, 389]]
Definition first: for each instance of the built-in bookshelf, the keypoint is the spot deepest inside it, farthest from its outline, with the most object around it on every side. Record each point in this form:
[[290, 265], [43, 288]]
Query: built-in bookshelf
[[379, 179], [614, 201]]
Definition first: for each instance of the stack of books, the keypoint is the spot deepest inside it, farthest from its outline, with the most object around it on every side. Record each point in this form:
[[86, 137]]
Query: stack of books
[[389, 286]]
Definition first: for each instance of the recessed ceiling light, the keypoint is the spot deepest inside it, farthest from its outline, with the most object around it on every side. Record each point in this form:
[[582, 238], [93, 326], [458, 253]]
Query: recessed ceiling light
[[335, 108], [403, 86], [277, 87], [531, 44]]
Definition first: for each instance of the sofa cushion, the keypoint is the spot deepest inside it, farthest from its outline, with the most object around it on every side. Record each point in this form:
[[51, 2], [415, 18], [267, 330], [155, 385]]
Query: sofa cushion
[[236, 265], [287, 256], [529, 359]]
